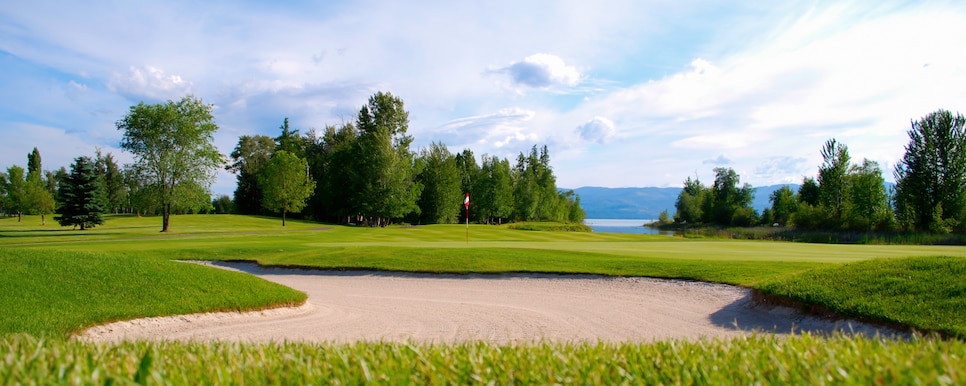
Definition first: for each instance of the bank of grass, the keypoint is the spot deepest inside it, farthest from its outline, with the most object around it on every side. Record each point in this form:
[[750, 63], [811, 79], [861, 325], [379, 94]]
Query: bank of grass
[[56, 292], [746, 360], [926, 293], [813, 236], [550, 227]]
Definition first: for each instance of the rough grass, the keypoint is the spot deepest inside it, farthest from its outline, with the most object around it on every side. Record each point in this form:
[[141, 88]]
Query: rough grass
[[51, 292], [927, 293], [747, 360]]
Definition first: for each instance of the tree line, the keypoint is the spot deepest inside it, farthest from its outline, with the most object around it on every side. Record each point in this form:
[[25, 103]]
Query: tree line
[[929, 195], [364, 172], [360, 172]]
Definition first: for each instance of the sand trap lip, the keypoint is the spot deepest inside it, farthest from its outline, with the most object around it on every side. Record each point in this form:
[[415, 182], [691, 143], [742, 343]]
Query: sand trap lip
[[355, 306]]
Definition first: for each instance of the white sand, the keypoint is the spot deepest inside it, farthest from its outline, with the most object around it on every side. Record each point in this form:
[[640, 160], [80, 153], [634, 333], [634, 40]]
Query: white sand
[[370, 306]]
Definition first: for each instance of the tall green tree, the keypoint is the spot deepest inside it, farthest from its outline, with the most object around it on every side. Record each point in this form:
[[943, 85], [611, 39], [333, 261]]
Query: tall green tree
[[336, 170], [173, 147], [524, 190], [731, 204], [251, 154], [112, 179], [784, 204], [15, 187], [286, 183], [931, 177], [290, 140], [493, 190], [690, 204], [34, 166], [833, 181], [39, 199], [386, 170], [441, 197], [868, 202], [80, 196], [808, 192]]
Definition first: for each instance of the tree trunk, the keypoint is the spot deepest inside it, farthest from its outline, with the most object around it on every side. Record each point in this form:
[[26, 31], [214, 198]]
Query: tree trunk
[[283, 217], [43, 219], [166, 217], [19, 215]]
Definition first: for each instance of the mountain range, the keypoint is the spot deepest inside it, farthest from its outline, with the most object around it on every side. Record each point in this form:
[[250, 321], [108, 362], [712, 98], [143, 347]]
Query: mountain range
[[647, 203]]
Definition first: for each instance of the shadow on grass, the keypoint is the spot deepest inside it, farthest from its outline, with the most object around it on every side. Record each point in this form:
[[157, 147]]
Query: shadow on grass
[[746, 314]]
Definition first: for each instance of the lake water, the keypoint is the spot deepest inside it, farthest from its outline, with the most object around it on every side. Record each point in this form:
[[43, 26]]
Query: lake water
[[624, 226]]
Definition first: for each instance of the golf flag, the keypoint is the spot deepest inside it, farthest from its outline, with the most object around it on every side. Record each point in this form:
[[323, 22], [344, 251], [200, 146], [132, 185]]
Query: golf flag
[[466, 203]]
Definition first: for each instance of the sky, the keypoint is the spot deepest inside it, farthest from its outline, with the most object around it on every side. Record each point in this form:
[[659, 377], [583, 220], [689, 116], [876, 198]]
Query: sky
[[623, 93]]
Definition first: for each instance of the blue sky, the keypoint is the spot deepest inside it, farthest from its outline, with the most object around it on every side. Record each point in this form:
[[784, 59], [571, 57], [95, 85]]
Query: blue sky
[[624, 93]]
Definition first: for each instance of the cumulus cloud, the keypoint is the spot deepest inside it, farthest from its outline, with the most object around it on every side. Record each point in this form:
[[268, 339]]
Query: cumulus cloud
[[717, 161], [542, 71], [150, 83], [599, 129]]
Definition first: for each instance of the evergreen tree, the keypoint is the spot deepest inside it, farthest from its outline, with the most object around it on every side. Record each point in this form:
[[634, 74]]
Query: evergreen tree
[[34, 167], [80, 196]]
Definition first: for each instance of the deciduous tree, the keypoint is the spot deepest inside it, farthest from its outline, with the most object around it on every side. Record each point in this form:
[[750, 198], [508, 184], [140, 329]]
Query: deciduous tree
[[286, 183], [15, 187], [931, 177], [441, 197], [173, 147]]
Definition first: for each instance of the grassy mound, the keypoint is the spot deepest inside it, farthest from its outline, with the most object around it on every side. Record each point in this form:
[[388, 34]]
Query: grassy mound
[[550, 227], [927, 293], [54, 293]]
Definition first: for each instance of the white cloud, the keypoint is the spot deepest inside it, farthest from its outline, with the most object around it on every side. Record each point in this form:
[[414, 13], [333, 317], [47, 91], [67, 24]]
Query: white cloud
[[150, 83], [542, 71], [599, 129], [495, 130]]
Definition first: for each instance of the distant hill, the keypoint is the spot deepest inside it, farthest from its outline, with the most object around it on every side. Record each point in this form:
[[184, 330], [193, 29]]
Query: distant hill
[[647, 203]]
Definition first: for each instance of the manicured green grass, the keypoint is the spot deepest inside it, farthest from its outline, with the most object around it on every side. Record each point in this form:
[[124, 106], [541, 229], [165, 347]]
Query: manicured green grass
[[55, 281], [56, 292], [748, 360], [927, 293], [436, 248]]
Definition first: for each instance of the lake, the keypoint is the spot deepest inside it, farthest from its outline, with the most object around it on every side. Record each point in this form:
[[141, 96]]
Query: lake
[[633, 226]]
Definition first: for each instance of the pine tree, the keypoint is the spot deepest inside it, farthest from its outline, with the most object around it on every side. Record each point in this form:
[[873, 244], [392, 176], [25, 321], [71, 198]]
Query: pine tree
[[80, 196]]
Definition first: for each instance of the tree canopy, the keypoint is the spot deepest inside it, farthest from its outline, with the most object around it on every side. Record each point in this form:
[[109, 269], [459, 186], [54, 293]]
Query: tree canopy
[[174, 153], [931, 177]]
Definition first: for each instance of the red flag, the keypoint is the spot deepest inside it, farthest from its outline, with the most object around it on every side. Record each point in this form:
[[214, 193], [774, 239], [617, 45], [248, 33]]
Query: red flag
[[466, 201]]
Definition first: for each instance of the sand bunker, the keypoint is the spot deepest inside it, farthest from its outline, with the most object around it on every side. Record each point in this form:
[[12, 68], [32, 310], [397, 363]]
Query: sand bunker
[[376, 306]]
